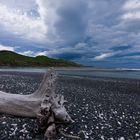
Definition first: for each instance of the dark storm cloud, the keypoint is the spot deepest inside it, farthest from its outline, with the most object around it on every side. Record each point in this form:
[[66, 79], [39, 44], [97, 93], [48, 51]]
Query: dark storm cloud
[[69, 56], [120, 48], [72, 23]]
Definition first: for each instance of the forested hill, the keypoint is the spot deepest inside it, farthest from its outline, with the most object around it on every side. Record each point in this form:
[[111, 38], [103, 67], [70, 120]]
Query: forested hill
[[12, 59]]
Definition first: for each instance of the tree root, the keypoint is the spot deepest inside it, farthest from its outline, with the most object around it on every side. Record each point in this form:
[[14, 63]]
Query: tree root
[[52, 113]]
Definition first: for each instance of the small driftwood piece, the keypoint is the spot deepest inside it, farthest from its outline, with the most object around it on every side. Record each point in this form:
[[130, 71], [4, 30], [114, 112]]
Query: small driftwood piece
[[43, 104]]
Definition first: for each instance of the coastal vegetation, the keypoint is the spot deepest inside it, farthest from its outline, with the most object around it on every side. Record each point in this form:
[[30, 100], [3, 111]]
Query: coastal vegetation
[[12, 59]]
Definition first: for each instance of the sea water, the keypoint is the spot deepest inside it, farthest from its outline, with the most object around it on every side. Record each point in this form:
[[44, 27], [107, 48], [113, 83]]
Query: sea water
[[86, 72]]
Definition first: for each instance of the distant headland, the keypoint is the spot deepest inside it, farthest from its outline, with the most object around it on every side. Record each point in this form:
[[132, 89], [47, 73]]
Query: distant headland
[[13, 59]]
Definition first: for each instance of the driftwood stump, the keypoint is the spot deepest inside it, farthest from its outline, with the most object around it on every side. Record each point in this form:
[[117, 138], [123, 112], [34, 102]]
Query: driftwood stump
[[43, 104]]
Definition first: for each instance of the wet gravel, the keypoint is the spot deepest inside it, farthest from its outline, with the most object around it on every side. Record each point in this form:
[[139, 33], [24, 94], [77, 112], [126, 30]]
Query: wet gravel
[[102, 108]]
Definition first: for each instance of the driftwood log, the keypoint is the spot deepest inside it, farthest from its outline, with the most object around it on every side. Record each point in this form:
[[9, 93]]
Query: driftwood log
[[43, 104]]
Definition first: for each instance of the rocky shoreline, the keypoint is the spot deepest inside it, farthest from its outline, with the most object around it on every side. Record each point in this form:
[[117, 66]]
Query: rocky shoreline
[[102, 108]]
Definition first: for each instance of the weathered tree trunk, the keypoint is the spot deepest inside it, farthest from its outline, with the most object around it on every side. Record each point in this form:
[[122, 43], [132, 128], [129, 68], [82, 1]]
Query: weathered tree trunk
[[43, 104], [28, 105]]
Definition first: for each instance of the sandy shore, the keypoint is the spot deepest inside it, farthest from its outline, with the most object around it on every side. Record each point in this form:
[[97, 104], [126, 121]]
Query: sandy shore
[[103, 108]]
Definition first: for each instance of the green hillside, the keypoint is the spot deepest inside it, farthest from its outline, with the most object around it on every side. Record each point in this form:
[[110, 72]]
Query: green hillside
[[12, 59]]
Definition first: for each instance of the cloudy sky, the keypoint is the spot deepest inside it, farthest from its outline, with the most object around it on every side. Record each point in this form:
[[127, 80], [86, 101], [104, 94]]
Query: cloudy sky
[[101, 33]]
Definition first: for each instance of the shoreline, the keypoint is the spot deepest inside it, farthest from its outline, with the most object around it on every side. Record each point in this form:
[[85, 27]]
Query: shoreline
[[82, 72], [65, 75]]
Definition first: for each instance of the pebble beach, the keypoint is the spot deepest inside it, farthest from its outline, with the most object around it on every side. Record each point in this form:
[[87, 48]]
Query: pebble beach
[[102, 108]]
